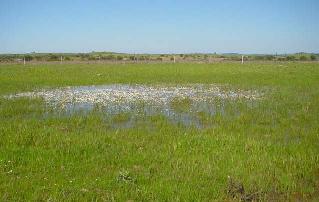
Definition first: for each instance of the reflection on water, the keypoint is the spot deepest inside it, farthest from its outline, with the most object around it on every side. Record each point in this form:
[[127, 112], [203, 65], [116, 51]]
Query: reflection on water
[[133, 113]]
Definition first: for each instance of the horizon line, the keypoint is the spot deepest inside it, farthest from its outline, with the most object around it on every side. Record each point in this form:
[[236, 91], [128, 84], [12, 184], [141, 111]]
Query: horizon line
[[156, 53]]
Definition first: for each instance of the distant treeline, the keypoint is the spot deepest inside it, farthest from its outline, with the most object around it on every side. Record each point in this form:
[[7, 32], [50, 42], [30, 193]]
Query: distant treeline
[[295, 57], [73, 57], [105, 56]]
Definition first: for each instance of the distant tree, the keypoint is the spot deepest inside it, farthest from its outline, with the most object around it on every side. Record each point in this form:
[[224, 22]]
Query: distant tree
[[28, 57], [91, 58], [303, 58], [2, 58], [291, 58], [84, 56], [259, 57], [119, 57], [53, 57], [147, 57], [269, 57], [132, 57], [39, 57], [109, 57], [67, 58], [235, 58], [313, 57]]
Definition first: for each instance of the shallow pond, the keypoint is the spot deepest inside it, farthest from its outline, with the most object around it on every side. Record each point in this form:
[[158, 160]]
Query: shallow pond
[[183, 104]]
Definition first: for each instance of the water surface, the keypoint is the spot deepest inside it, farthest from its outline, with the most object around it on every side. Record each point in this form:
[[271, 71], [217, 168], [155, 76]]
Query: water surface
[[182, 104]]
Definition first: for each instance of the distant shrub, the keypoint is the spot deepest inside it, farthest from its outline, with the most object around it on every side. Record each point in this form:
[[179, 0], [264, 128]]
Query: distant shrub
[[193, 56], [147, 57], [281, 58], [84, 56], [269, 57], [313, 57], [119, 57], [264, 57], [28, 57], [303, 57], [67, 58], [109, 57], [290, 58], [132, 57], [39, 58], [6, 58], [91, 58], [259, 57], [236, 58], [53, 57]]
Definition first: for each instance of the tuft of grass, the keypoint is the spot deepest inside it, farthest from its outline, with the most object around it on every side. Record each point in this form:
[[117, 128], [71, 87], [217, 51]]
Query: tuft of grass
[[120, 118], [181, 104]]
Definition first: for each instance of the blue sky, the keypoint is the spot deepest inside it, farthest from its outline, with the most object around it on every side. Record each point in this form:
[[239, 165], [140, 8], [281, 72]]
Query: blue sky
[[159, 26]]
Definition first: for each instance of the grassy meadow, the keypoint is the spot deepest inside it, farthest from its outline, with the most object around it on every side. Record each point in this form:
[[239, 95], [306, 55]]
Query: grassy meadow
[[267, 152]]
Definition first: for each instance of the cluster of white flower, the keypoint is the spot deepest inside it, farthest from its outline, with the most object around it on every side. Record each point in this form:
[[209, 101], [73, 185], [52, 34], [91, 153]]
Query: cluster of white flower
[[120, 93]]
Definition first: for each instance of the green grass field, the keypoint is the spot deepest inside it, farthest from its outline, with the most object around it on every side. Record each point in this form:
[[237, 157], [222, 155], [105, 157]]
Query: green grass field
[[269, 152]]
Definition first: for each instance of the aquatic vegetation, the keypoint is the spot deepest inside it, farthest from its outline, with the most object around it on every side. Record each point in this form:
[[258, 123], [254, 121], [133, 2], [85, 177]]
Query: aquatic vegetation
[[178, 103], [118, 93], [181, 104]]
